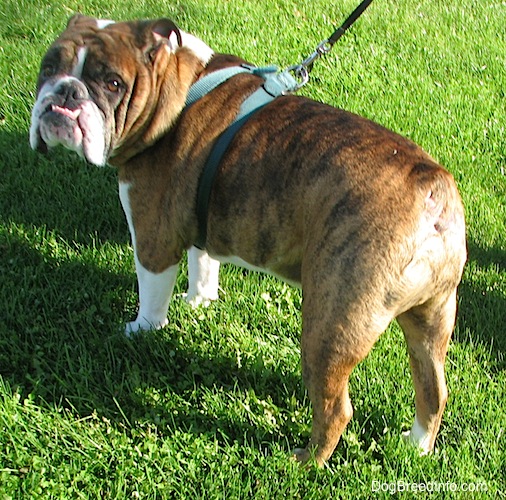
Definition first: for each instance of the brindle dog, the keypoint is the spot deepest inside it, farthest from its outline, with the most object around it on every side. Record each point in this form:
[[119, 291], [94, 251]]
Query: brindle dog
[[361, 218]]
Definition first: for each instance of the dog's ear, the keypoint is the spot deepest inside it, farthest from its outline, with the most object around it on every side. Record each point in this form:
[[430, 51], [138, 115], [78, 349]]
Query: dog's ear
[[163, 29], [81, 20], [87, 23], [159, 33], [76, 19]]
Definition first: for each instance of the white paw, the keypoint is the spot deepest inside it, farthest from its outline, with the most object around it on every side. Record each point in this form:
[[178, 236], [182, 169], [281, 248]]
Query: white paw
[[420, 442], [196, 300], [143, 324]]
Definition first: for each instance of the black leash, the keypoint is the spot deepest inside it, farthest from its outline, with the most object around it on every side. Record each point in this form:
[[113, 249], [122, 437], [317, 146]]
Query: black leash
[[351, 19], [303, 69]]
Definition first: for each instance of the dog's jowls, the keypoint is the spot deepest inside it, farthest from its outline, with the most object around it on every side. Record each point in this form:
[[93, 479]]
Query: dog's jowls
[[362, 219]]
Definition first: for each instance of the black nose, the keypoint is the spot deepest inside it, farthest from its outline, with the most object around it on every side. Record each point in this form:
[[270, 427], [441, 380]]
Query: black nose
[[71, 91]]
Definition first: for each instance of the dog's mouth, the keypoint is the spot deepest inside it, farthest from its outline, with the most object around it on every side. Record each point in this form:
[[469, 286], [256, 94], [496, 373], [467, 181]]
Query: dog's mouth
[[60, 115], [65, 115], [72, 114], [79, 128], [60, 125]]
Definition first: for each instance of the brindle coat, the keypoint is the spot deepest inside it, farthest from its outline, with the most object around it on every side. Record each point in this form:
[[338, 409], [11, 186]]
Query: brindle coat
[[362, 218]]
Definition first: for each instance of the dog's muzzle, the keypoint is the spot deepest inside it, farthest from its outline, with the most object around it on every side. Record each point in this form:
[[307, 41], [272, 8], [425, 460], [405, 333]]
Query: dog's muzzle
[[65, 115]]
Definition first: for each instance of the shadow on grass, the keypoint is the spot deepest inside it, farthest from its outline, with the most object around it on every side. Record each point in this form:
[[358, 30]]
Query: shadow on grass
[[60, 338], [485, 257], [60, 342], [482, 310], [60, 192]]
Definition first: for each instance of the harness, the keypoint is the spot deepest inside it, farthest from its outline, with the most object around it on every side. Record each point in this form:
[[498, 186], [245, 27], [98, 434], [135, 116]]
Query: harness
[[275, 84]]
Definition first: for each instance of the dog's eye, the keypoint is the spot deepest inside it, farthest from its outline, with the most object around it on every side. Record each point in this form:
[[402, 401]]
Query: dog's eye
[[114, 84]]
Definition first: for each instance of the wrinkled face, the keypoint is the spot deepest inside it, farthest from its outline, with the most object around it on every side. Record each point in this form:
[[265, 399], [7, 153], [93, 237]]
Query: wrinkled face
[[103, 85]]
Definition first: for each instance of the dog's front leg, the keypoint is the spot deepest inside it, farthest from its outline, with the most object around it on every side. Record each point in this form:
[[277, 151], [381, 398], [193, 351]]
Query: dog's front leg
[[202, 278], [155, 291], [155, 288]]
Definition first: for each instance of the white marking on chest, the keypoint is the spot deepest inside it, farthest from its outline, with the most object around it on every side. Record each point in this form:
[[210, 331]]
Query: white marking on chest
[[124, 187]]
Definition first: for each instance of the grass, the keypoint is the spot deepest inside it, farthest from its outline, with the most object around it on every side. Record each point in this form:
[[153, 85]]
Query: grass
[[210, 406]]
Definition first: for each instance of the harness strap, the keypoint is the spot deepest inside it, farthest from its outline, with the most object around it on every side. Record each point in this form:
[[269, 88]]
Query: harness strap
[[207, 179], [275, 85], [205, 85]]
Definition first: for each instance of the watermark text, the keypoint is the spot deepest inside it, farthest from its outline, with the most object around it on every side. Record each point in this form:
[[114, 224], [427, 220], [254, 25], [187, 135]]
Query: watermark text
[[429, 487]]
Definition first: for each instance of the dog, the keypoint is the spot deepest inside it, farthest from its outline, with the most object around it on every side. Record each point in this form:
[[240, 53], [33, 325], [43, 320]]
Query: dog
[[365, 221]]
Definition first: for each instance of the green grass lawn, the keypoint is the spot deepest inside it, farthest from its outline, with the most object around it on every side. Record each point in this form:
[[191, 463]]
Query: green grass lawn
[[210, 406]]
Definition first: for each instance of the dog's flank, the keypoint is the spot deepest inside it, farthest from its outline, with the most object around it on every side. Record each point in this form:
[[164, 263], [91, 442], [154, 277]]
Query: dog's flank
[[361, 218]]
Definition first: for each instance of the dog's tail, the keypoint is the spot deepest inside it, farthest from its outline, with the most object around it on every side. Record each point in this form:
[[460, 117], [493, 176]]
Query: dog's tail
[[442, 200]]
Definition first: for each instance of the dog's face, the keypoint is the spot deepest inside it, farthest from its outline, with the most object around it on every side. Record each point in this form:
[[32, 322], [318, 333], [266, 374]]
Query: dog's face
[[103, 84]]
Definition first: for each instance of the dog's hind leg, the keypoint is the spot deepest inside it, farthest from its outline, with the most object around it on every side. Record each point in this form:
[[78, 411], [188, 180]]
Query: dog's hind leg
[[335, 339], [427, 329], [332, 408]]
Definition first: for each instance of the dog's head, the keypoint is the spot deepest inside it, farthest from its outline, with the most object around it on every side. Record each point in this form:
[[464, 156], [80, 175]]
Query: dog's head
[[107, 90]]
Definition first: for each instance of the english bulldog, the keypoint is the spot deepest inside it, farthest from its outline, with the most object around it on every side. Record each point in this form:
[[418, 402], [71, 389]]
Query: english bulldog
[[361, 218]]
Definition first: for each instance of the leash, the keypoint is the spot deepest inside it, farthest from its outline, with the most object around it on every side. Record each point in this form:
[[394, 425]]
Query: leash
[[302, 70], [275, 84]]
